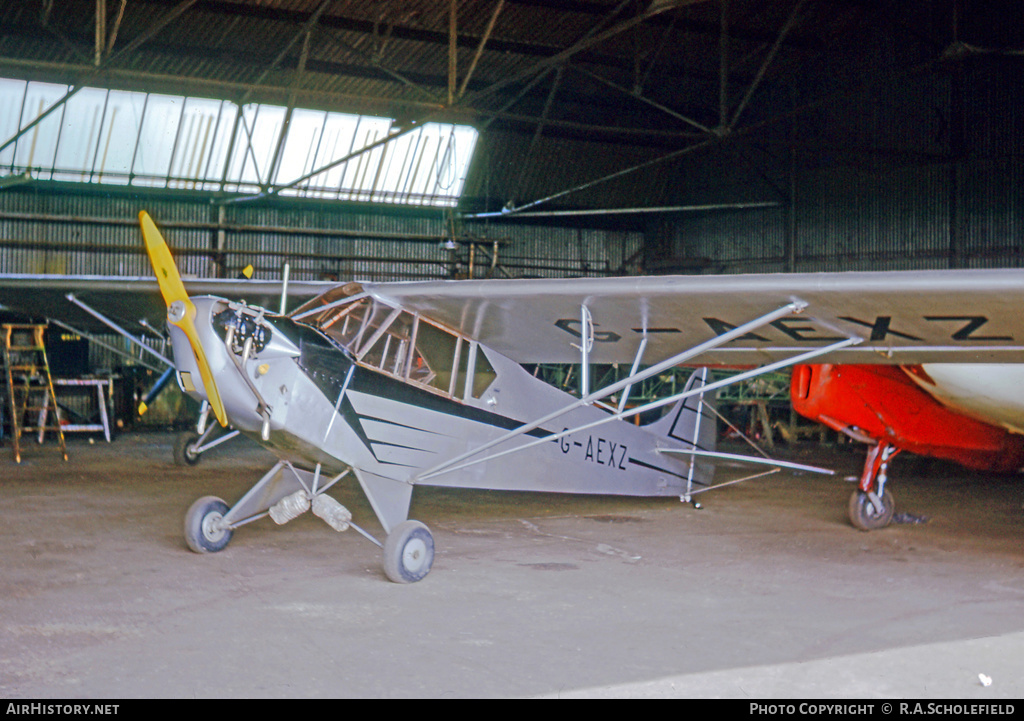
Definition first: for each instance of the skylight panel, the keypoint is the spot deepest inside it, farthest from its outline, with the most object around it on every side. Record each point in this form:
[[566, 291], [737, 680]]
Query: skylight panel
[[40, 143], [11, 92], [75, 151], [115, 148], [202, 144], [172, 141]]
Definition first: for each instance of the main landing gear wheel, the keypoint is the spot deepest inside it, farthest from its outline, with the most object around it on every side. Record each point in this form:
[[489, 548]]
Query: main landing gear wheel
[[865, 516], [203, 530], [408, 552], [184, 449]]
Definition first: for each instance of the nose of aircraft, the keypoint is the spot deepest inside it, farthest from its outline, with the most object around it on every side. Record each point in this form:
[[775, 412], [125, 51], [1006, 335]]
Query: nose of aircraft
[[181, 312]]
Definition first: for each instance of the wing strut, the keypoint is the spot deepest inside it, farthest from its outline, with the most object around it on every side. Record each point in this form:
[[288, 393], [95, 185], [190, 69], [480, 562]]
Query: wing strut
[[796, 360], [116, 351], [459, 462], [120, 331], [586, 345], [632, 372]]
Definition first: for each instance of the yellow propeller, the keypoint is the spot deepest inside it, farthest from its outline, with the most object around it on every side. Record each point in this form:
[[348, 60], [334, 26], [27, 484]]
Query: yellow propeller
[[181, 311]]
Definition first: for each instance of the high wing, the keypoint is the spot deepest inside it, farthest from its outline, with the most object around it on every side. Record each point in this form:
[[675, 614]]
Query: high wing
[[132, 303], [901, 317]]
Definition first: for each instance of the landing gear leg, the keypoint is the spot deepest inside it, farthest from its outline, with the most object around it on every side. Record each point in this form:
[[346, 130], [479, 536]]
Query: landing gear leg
[[872, 504]]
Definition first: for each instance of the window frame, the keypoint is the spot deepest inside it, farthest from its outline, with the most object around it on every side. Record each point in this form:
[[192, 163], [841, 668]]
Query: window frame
[[463, 383], [136, 138]]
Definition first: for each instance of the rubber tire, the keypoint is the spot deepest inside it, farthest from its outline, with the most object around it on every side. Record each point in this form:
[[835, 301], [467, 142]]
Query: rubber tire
[[198, 534], [408, 552], [863, 514], [182, 455]]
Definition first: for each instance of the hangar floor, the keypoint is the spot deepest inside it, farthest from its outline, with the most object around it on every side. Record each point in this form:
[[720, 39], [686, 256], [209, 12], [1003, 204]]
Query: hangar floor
[[766, 592]]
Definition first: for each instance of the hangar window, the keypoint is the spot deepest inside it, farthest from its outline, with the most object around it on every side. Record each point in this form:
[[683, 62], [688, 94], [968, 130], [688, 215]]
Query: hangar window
[[94, 135]]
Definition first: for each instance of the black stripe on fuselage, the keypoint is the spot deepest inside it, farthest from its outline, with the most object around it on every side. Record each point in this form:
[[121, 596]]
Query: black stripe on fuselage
[[328, 367]]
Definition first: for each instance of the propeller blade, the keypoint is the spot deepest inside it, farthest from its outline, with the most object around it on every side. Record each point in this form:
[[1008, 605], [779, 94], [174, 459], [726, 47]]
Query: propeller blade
[[181, 311], [166, 271]]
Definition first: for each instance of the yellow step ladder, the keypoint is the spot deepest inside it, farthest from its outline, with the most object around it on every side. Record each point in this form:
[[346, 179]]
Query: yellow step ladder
[[30, 393]]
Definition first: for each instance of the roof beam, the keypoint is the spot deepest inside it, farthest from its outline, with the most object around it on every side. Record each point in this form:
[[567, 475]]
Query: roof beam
[[155, 28]]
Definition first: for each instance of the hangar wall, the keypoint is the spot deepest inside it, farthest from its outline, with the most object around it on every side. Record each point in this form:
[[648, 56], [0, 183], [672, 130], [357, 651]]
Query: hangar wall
[[928, 173], [67, 230], [920, 171]]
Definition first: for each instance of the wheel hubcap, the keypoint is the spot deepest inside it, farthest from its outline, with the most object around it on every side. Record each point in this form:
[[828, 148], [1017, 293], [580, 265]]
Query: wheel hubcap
[[414, 554], [213, 530]]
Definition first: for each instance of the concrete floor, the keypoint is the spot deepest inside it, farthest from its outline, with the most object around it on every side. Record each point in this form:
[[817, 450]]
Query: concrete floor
[[766, 592]]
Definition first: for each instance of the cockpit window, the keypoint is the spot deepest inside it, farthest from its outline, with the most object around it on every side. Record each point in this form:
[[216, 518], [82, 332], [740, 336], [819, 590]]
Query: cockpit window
[[348, 323], [324, 303], [400, 343], [435, 357], [483, 375], [388, 347]]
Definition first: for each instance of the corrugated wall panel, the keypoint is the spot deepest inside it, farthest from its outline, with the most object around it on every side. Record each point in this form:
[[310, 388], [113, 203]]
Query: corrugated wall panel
[[928, 173], [735, 241], [545, 251], [992, 214], [854, 220], [42, 232]]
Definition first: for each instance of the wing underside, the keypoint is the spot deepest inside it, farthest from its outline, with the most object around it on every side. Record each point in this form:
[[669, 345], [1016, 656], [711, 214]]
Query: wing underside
[[899, 317]]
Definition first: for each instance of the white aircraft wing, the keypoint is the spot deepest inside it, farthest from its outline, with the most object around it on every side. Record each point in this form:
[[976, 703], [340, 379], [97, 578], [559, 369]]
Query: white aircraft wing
[[971, 316], [956, 316]]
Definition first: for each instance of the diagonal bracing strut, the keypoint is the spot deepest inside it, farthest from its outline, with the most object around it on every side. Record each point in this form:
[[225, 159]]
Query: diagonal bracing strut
[[463, 460]]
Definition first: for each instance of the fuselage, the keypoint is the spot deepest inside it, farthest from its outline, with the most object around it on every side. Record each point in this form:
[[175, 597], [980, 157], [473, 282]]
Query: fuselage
[[965, 413], [993, 393], [398, 397]]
